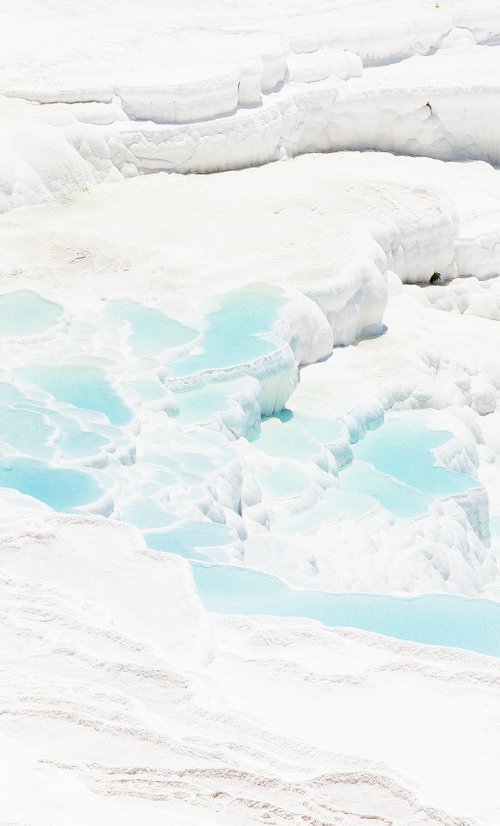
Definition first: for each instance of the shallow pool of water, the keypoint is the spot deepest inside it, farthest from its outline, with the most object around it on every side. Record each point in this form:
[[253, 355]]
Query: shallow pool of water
[[83, 386], [237, 332], [396, 465], [324, 431], [26, 431], [25, 313], [403, 448], [147, 514], [201, 404], [285, 439], [435, 619], [334, 505], [286, 480], [152, 331], [402, 500], [61, 488], [192, 539], [80, 444]]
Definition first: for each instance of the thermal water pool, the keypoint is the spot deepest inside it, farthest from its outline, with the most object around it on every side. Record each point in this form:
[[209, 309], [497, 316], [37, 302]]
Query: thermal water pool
[[25, 313], [403, 448], [151, 331], [434, 619], [60, 488], [83, 386], [237, 332]]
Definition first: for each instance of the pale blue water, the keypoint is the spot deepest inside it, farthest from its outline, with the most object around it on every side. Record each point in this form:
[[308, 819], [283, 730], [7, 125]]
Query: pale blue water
[[25, 313], [155, 472], [335, 504], [10, 394], [194, 462], [396, 465], [26, 431], [495, 526], [433, 620], [152, 331], [147, 514], [61, 488], [190, 468], [324, 431], [234, 332], [402, 448], [285, 481], [81, 443], [83, 386], [148, 390], [285, 440], [37, 431], [190, 539], [401, 499], [296, 436], [202, 403]]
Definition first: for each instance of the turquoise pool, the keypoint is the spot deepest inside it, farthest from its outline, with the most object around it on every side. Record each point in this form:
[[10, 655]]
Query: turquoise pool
[[151, 331], [436, 619], [200, 404], [238, 331], [402, 448], [61, 488], [193, 540], [83, 386], [25, 313]]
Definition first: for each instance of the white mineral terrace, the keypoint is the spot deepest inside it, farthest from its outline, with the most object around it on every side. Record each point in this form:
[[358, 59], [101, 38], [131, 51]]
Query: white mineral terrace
[[250, 420]]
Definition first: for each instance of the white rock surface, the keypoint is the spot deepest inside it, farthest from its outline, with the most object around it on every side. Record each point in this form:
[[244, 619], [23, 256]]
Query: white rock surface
[[183, 88]]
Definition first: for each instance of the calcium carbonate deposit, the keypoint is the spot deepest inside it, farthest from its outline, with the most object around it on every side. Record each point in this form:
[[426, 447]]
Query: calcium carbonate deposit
[[250, 420]]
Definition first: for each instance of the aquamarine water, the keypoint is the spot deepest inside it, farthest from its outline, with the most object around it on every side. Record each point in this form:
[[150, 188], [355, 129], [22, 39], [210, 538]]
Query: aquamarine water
[[61, 488], [147, 514], [335, 504], [402, 448], [148, 390], [285, 481], [324, 431], [443, 620], [78, 444], [201, 404], [26, 431], [191, 539], [237, 332], [152, 331], [83, 386], [397, 497], [10, 394], [286, 439], [25, 313]]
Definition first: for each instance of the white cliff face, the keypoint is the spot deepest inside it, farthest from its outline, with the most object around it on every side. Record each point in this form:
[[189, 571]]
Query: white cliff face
[[116, 91], [248, 421]]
